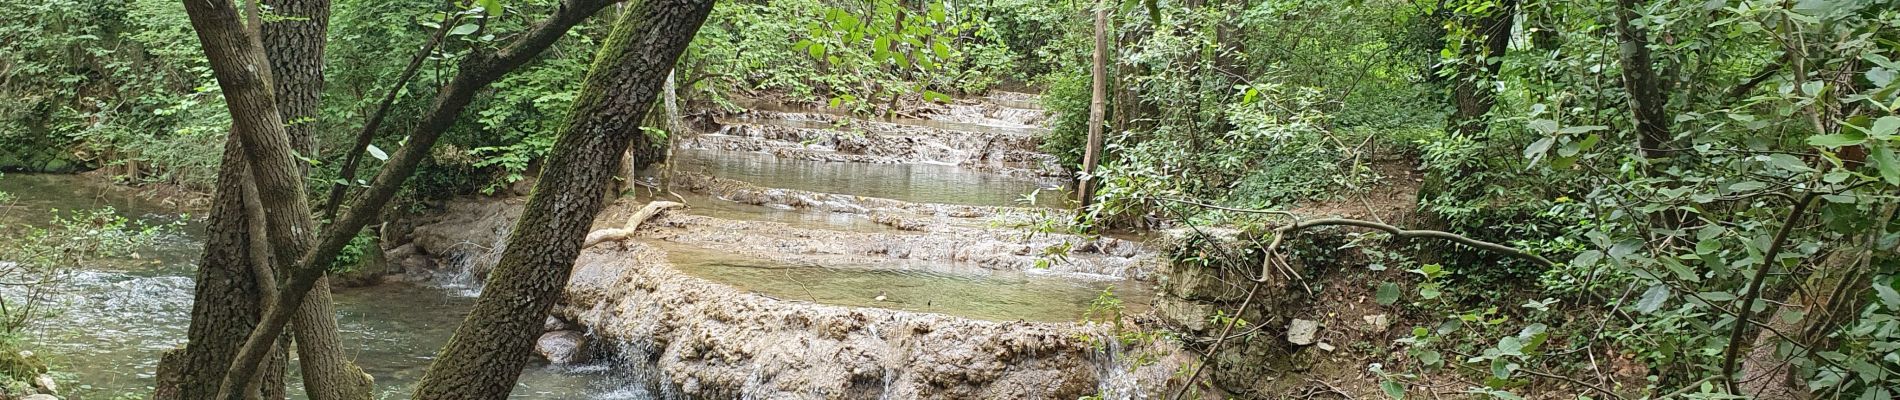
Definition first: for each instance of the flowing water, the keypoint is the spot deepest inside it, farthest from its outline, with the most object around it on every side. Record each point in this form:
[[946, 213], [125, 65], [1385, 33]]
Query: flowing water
[[116, 316], [960, 290], [921, 183]]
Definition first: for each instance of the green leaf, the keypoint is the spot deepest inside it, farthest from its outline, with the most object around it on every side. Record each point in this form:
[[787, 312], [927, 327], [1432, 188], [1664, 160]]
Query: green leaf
[[1888, 164], [1500, 368], [493, 7], [1510, 346], [943, 52], [1884, 127], [1429, 290], [1543, 126], [931, 95], [1881, 77], [817, 50], [1846, 138], [1888, 296], [1652, 299], [1388, 293], [463, 29], [936, 13], [377, 152], [1568, 130], [1393, 389], [1536, 149]]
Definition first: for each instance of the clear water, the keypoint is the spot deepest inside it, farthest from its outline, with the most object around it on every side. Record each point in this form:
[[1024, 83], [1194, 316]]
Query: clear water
[[117, 316], [959, 290], [945, 184]]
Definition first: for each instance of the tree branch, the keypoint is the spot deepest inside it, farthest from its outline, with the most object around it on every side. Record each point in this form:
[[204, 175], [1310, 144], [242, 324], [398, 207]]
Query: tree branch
[[1279, 235], [1754, 288], [363, 138]]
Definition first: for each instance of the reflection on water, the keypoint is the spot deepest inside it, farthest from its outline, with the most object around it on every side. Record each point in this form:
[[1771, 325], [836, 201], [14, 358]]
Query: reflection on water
[[117, 316], [959, 290], [908, 182]]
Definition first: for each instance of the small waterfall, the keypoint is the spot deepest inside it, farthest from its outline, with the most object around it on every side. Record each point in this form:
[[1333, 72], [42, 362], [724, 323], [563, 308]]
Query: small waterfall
[[1115, 378], [469, 263]]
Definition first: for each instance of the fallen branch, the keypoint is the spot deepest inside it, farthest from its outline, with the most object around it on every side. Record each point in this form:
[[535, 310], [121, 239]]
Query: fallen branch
[[1280, 234]]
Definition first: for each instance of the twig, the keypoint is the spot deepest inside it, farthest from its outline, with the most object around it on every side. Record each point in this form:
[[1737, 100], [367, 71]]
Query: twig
[[1599, 389], [1287, 214]]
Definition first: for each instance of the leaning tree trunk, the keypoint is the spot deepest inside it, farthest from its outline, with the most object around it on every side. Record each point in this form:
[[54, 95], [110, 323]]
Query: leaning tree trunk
[[492, 345], [237, 60], [1639, 79], [230, 297]]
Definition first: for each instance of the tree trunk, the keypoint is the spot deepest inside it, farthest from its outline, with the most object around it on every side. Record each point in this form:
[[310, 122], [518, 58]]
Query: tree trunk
[[1639, 79], [228, 297], [1098, 107], [294, 44], [475, 73], [237, 60], [1472, 92], [489, 349]]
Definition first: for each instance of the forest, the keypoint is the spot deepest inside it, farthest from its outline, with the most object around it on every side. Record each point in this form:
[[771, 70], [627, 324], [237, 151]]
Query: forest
[[949, 199]]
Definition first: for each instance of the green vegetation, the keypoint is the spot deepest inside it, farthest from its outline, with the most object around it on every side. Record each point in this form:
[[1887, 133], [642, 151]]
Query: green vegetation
[[1693, 166], [1715, 181]]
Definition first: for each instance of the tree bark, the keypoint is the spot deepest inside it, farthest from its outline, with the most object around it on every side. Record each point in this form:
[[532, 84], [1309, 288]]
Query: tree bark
[[238, 61], [228, 299], [492, 345], [1472, 92], [475, 73], [1098, 107], [1646, 98], [294, 43]]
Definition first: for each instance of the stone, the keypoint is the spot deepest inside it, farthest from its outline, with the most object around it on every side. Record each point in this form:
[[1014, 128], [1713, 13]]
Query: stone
[[1302, 331], [555, 324], [562, 347], [1327, 347], [40, 397], [44, 383], [1377, 323]]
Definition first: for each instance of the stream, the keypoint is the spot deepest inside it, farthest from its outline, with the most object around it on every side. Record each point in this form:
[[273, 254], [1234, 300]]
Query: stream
[[117, 316]]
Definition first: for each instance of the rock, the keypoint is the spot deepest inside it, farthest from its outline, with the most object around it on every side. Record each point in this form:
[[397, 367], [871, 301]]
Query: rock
[[44, 383], [1376, 323], [562, 347], [40, 397], [555, 324], [1327, 347], [1302, 332]]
